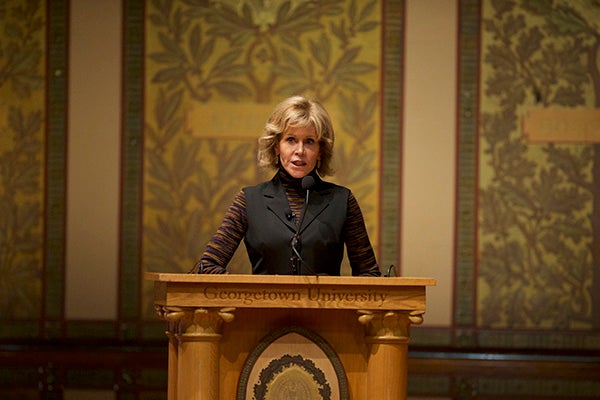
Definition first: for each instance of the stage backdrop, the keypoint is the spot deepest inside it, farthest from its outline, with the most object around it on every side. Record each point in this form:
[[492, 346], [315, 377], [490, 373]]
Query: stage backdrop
[[196, 93]]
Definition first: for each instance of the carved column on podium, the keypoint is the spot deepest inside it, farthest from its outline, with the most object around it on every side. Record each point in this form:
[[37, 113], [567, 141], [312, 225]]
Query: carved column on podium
[[388, 333], [194, 335]]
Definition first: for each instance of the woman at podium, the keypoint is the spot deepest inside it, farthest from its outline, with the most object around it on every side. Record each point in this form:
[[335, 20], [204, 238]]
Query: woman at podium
[[296, 223]]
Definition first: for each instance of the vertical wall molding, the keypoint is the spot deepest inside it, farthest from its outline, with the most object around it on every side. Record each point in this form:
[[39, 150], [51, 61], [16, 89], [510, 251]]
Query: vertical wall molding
[[391, 127], [52, 321], [466, 179], [130, 271]]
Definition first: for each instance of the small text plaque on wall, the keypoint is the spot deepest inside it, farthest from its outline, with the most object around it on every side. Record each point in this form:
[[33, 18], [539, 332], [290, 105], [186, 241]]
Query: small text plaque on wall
[[562, 125]]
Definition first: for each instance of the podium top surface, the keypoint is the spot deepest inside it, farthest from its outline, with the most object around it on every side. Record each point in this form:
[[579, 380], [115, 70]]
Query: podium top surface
[[289, 291], [289, 279]]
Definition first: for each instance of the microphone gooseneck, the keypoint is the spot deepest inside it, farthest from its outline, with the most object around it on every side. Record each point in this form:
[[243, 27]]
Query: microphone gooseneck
[[307, 183]]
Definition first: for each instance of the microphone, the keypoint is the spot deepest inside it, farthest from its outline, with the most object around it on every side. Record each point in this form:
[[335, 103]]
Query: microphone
[[290, 215], [391, 268], [307, 183]]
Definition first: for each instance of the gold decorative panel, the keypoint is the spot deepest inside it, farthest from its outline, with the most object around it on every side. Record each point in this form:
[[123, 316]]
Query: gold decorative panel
[[539, 247], [22, 158], [214, 73]]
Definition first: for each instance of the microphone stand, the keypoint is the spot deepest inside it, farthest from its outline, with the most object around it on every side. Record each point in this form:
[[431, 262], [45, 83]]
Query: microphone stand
[[296, 260]]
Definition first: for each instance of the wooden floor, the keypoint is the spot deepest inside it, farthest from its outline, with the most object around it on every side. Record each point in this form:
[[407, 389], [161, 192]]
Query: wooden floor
[[47, 371]]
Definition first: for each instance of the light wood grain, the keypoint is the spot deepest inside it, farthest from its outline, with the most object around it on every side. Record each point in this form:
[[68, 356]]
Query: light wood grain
[[219, 319], [268, 291]]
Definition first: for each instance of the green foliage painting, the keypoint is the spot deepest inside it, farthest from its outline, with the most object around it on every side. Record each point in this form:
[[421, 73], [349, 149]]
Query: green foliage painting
[[238, 53], [539, 218], [21, 157]]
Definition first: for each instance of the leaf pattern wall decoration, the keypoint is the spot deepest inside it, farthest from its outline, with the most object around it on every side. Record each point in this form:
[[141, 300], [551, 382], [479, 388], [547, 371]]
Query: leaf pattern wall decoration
[[539, 229], [248, 52], [21, 157]]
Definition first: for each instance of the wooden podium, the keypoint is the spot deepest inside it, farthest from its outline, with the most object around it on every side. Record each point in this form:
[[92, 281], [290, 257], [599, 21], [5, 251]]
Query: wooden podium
[[219, 327]]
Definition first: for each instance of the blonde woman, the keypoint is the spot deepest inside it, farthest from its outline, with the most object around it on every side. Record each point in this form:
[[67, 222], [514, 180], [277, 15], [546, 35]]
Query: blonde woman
[[296, 223]]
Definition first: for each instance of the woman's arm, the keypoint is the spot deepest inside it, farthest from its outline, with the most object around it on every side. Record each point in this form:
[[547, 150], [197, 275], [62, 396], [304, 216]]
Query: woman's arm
[[225, 241], [360, 252]]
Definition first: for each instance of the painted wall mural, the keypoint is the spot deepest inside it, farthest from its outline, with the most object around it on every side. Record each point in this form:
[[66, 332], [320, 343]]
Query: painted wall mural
[[528, 236], [539, 166], [213, 74], [22, 159]]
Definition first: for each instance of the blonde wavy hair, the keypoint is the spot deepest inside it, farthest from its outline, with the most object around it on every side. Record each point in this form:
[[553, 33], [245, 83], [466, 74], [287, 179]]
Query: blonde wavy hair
[[297, 111]]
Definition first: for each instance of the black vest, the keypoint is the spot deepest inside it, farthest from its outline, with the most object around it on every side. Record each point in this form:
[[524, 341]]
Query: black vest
[[269, 234]]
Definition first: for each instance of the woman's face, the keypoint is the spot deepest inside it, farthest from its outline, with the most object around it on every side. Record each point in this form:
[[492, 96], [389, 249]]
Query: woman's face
[[299, 151]]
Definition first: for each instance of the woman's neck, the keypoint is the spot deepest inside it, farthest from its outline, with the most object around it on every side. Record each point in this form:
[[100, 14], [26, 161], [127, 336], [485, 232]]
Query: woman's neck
[[291, 184]]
